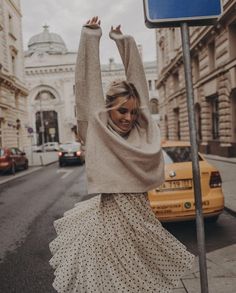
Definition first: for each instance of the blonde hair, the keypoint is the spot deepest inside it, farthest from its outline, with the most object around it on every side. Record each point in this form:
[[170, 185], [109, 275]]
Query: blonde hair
[[121, 88]]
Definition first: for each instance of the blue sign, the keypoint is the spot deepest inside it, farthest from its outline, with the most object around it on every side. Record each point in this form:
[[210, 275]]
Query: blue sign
[[30, 130], [161, 13]]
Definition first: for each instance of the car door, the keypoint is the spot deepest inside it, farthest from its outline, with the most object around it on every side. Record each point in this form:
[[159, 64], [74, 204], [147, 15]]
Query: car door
[[14, 156], [20, 157]]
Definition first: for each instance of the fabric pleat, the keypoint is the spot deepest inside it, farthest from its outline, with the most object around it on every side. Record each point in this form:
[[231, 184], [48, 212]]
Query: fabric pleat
[[114, 243]]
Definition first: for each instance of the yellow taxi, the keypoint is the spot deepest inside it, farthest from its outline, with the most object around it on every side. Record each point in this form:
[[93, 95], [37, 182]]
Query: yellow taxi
[[174, 199]]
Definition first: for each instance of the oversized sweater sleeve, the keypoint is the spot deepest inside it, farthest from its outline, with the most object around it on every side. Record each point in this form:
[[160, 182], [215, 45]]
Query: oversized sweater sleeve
[[133, 64], [88, 83]]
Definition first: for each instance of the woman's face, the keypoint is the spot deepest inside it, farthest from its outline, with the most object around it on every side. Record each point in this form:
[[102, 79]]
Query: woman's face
[[124, 114]]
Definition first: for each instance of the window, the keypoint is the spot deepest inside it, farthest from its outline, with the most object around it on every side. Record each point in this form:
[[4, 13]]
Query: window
[[44, 96], [211, 55], [233, 113], [177, 123], [13, 64], [196, 72], [215, 118], [178, 154], [1, 142], [214, 102], [176, 81], [232, 40], [154, 106], [162, 52], [13, 151], [150, 85], [75, 111], [10, 24], [198, 120], [155, 84], [166, 127], [172, 42]]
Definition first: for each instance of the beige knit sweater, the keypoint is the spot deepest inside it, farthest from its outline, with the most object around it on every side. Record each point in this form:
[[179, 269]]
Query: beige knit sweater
[[115, 164]]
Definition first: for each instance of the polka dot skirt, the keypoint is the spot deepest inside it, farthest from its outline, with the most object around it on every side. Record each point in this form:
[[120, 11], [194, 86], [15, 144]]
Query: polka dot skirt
[[114, 243]]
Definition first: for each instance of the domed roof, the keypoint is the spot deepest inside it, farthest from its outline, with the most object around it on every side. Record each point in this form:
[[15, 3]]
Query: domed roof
[[47, 42]]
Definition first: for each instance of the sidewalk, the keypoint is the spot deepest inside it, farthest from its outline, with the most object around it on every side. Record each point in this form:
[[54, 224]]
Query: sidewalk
[[221, 264], [227, 168], [221, 270]]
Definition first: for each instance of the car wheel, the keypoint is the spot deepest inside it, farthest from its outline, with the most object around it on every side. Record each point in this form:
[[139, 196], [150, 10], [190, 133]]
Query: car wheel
[[13, 169], [82, 161], [26, 166], [61, 164]]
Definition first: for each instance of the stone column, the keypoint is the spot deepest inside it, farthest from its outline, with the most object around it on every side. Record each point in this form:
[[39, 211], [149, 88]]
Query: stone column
[[225, 121]]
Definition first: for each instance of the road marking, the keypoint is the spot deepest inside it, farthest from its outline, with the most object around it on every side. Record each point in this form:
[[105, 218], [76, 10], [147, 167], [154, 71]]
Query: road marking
[[66, 171]]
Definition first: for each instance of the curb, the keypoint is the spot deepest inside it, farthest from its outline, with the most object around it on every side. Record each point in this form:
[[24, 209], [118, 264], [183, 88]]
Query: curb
[[19, 175], [220, 159], [230, 211]]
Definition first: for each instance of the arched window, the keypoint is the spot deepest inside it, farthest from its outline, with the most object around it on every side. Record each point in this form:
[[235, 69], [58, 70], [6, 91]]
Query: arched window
[[47, 126], [45, 96], [154, 106]]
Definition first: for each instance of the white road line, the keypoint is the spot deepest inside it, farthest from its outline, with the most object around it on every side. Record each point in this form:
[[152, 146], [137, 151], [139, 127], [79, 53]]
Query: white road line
[[66, 171]]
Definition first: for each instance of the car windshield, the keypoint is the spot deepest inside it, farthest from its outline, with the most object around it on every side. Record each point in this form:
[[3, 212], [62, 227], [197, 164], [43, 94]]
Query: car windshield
[[70, 146], [177, 154]]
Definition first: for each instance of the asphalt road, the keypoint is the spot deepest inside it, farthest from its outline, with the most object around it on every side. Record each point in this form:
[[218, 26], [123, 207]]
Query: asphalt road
[[28, 207]]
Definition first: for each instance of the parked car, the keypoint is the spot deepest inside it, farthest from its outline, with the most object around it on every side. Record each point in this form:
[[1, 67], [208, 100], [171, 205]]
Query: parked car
[[51, 146], [71, 152], [12, 159], [37, 148], [174, 199]]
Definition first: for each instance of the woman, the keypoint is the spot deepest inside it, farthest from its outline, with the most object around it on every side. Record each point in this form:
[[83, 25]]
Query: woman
[[113, 242]]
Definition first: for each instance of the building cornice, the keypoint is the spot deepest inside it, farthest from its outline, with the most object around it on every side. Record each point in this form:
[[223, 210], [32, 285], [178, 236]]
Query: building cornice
[[17, 9], [48, 69], [203, 36], [217, 72], [11, 83]]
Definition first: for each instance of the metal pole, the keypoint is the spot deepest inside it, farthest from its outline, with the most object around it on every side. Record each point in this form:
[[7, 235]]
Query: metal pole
[[32, 155], [41, 120], [195, 162]]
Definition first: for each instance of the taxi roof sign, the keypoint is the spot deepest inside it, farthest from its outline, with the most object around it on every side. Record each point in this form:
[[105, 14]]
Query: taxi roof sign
[[167, 13]]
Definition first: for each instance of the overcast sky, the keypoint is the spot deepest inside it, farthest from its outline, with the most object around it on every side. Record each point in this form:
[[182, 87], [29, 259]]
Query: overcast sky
[[65, 17]]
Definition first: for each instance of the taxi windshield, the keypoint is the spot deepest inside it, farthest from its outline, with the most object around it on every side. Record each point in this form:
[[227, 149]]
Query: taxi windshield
[[177, 154]]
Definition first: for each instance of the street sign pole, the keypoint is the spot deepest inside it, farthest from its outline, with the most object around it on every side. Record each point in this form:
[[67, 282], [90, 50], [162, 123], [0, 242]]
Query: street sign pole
[[195, 161], [172, 13]]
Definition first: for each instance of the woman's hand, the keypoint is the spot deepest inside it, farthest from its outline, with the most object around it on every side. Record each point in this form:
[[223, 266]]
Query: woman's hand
[[93, 23], [116, 30]]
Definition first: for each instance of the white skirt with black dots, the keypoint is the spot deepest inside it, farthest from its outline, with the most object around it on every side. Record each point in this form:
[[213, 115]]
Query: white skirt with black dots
[[114, 243]]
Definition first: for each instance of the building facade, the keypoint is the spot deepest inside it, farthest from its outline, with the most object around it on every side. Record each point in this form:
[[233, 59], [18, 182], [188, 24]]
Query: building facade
[[50, 71], [213, 57], [13, 92]]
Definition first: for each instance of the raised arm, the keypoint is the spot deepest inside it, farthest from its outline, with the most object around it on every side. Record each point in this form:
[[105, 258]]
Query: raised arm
[[132, 63], [88, 83]]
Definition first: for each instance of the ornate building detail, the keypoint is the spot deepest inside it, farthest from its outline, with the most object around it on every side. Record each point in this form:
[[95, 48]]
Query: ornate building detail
[[13, 92], [214, 77], [49, 69]]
